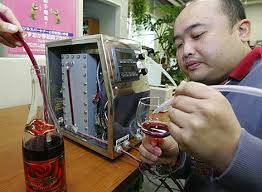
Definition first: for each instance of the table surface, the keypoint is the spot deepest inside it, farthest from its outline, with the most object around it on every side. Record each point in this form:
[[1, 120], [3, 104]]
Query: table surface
[[85, 169]]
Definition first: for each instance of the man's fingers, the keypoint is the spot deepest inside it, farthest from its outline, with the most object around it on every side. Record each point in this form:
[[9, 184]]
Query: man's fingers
[[146, 160], [177, 133], [151, 147], [8, 27], [147, 156], [7, 43], [180, 118], [185, 103], [194, 89], [10, 38], [10, 16]]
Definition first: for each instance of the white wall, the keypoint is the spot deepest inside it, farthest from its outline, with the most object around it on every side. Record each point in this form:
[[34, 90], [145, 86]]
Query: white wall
[[254, 13], [112, 15], [124, 19], [15, 81], [105, 13]]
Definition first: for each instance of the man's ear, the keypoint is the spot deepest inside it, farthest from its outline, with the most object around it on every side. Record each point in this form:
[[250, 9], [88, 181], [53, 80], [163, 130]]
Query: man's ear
[[244, 30]]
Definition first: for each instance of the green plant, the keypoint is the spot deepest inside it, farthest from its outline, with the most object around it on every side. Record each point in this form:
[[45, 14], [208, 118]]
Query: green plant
[[163, 28], [138, 11]]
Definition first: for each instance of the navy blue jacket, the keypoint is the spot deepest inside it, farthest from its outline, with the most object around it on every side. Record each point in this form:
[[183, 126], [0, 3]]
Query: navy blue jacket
[[245, 171]]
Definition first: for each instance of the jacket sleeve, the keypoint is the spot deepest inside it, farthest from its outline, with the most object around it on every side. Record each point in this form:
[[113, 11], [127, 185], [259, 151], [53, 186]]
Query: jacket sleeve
[[245, 171]]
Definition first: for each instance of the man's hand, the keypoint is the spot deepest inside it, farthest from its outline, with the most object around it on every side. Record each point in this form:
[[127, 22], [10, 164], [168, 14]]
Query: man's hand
[[204, 124], [165, 152], [8, 29]]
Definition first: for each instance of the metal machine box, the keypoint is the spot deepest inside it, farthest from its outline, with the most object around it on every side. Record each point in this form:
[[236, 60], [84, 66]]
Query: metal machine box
[[94, 86]]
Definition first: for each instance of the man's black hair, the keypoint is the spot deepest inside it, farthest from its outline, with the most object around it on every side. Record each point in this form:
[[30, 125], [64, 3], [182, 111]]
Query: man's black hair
[[234, 10]]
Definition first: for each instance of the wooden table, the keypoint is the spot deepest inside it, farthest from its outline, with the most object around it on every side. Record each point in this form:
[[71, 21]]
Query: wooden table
[[85, 169]]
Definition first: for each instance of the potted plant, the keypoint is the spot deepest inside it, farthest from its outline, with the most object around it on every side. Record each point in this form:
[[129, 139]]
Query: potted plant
[[162, 26]]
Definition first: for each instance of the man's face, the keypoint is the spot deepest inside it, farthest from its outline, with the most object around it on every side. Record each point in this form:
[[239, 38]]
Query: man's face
[[206, 43]]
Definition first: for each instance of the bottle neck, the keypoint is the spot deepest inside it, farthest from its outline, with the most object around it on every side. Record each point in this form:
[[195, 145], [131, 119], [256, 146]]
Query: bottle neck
[[41, 118], [39, 103]]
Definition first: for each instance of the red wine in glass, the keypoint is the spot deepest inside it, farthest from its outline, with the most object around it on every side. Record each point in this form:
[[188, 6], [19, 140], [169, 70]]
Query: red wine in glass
[[152, 125], [155, 129]]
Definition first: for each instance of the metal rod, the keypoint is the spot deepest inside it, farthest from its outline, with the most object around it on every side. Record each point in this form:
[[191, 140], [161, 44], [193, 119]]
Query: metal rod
[[70, 96], [166, 185], [177, 183]]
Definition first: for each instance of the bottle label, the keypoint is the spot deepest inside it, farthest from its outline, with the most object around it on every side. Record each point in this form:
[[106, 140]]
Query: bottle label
[[45, 176]]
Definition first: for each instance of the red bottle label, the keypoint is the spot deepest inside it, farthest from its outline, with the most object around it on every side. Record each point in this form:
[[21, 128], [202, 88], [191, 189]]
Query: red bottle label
[[39, 127], [45, 176]]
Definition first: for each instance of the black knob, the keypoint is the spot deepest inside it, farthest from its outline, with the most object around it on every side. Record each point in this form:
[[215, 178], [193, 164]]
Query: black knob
[[141, 56], [143, 71]]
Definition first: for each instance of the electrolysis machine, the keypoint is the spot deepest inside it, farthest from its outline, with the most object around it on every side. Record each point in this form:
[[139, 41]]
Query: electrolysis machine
[[94, 85]]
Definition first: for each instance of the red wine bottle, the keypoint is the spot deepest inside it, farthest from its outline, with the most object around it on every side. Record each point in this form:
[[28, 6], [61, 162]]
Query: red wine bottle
[[43, 145]]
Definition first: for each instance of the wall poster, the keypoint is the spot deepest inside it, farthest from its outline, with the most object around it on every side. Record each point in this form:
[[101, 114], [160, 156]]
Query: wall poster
[[43, 21]]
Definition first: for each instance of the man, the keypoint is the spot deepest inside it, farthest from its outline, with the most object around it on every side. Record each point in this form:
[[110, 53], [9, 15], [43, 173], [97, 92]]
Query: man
[[7, 29], [212, 39]]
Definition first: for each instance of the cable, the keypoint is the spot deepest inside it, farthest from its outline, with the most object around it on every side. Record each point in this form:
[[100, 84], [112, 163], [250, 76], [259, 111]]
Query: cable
[[151, 181], [104, 115], [98, 80], [166, 185], [133, 147], [177, 183], [145, 166], [159, 185], [180, 183], [130, 155]]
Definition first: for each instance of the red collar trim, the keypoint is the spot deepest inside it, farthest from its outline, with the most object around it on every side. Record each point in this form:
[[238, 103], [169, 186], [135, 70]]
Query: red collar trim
[[243, 68]]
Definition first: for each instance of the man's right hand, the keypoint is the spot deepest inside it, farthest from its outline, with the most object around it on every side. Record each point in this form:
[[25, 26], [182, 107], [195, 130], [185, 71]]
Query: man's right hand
[[8, 29], [164, 152]]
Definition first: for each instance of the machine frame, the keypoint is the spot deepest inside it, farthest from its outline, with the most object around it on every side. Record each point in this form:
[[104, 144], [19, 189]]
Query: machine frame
[[131, 87]]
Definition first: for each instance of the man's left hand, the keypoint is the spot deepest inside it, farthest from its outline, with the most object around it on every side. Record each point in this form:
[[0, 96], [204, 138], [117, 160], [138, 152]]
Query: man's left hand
[[204, 124]]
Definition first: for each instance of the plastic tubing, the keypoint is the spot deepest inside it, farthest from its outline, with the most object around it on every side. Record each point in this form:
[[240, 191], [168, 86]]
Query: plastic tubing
[[239, 89], [222, 88]]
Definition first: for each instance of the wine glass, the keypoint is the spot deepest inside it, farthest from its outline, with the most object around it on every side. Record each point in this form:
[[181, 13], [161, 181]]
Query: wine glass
[[151, 125]]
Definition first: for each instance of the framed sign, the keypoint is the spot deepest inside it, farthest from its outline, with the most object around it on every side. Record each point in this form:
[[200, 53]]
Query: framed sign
[[43, 21]]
